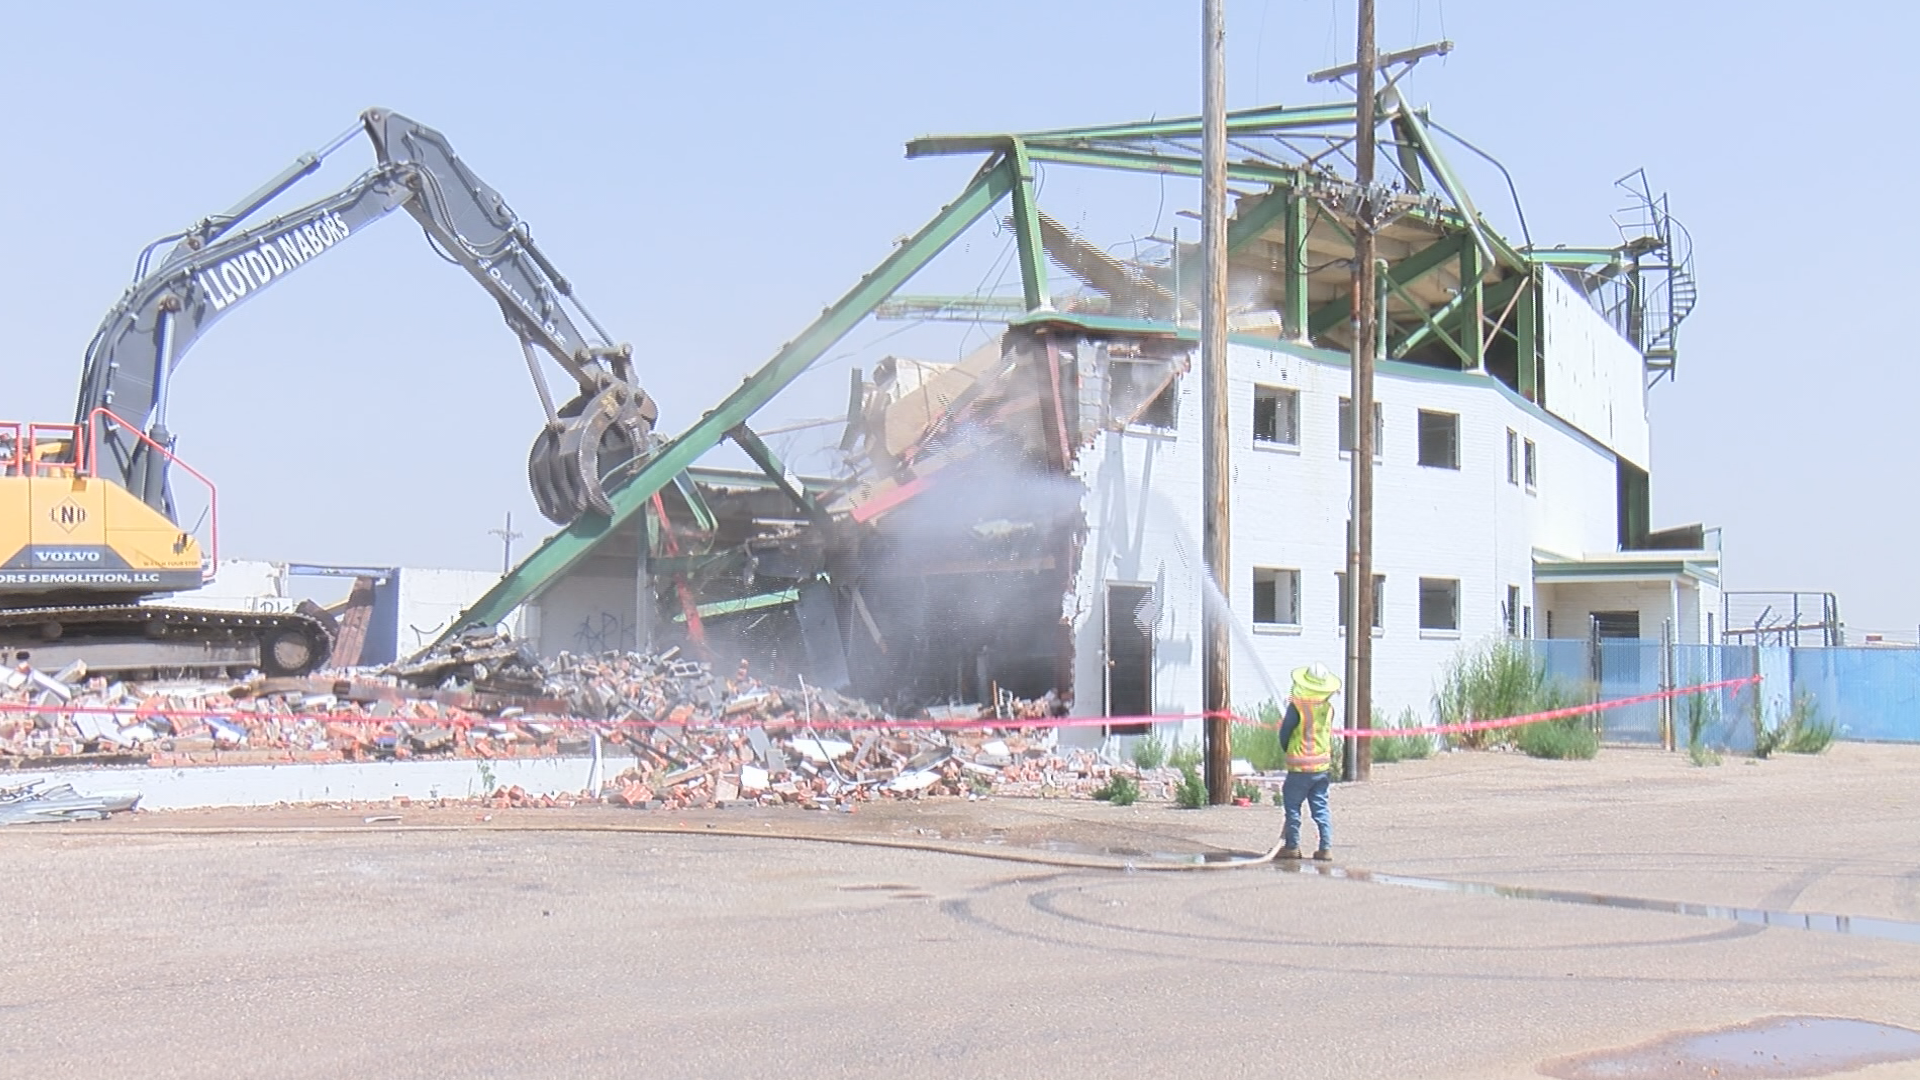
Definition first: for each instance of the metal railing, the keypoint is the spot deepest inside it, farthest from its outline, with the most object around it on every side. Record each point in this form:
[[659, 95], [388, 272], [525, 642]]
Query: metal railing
[[210, 557]]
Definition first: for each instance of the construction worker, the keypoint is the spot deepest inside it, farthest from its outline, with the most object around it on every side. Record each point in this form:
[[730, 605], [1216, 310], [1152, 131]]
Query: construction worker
[[1306, 737]]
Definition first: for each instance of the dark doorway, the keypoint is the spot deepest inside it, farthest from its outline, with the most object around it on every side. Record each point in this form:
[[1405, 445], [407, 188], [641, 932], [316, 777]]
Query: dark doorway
[[1615, 625], [1129, 655]]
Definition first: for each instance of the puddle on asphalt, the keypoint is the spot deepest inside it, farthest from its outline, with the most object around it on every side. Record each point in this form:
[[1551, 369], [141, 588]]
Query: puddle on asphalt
[[1069, 847], [1778, 1047], [1853, 925]]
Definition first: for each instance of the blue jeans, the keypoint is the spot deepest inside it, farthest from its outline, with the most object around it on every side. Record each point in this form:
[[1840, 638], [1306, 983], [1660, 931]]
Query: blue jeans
[[1310, 788]]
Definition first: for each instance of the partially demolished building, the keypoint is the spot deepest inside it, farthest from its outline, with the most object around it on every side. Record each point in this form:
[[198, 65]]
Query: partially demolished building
[[1018, 531]]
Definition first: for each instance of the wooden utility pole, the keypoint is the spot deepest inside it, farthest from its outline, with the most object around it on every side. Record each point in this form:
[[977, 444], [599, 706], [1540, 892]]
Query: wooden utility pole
[[1216, 437], [1366, 315]]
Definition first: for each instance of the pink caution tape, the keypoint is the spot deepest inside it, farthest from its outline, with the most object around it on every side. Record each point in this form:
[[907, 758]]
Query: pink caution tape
[[1551, 714], [470, 720]]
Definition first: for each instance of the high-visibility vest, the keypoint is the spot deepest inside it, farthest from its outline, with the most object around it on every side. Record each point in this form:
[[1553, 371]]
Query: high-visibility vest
[[1311, 747]]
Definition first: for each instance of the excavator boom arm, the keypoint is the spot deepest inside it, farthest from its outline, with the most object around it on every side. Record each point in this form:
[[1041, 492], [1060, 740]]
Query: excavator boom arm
[[218, 265]]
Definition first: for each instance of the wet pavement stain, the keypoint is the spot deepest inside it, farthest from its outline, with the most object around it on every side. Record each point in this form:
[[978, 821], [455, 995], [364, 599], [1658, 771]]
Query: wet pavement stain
[[1777, 1047], [1851, 925], [1069, 847]]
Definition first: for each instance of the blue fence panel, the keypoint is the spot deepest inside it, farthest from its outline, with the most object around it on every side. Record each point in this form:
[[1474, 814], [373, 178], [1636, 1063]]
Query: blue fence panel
[[1566, 661], [1871, 694], [1630, 669], [1720, 719]]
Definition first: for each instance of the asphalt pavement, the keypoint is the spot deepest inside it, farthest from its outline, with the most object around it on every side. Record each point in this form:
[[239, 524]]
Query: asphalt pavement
[[309, 943]]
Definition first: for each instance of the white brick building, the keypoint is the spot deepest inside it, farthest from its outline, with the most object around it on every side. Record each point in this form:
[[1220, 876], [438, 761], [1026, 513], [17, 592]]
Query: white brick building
[[1493, 516]]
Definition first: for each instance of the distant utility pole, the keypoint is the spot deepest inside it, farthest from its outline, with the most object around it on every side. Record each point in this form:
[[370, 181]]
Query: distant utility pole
[[507, 537], [1216, 437], [1359, 752]]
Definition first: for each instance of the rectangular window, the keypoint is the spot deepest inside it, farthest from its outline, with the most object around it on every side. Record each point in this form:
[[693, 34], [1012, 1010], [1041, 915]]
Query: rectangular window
[[1526, 622], [1346, 428], [1276, 415], [1533, 466], [1513, 457], [1379, 598], [1512, 612], [1439, 604], [1439, 439], [1143, 393], [1276, 597]]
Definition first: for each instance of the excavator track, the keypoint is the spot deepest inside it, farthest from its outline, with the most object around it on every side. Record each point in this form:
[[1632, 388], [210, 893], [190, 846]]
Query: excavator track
[[131, 638]]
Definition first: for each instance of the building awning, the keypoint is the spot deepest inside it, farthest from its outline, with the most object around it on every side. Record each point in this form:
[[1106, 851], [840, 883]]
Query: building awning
[[1699, 567]]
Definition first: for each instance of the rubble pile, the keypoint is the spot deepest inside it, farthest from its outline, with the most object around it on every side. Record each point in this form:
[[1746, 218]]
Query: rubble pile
[[72, 718], [674, 732]]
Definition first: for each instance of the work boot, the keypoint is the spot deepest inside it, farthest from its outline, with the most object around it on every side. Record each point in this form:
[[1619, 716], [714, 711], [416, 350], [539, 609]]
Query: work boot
[[1288, 852], [1323, 855]]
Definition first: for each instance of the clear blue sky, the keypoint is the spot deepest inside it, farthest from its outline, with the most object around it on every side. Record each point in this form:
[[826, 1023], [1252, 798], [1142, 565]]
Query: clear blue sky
[[711, 175]]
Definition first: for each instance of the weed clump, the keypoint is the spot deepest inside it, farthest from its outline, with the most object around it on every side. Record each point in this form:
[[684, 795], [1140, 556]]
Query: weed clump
[[1389, 748], [1149, 751], [1120, 790], [1259, 743], [1500, 679], [1570, 739], [1184, 757], [1802, 731], [1191, 794]]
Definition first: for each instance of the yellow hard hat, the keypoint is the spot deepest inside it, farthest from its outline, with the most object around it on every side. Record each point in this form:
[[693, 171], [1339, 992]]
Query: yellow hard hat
[[1314, 681]]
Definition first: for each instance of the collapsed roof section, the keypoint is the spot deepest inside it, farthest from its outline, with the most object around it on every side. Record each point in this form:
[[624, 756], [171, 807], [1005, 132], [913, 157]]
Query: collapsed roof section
[[1457, 294], [938, 569]]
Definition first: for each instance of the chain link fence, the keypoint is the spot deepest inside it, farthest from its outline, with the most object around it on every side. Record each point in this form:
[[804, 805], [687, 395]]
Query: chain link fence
[[1868, 694]]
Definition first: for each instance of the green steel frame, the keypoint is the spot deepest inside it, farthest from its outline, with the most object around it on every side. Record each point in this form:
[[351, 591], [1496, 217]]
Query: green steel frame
[[1292, 152]]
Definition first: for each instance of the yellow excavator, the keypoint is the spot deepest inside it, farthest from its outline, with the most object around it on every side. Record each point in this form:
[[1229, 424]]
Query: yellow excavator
[[84, 552], [89, 527]]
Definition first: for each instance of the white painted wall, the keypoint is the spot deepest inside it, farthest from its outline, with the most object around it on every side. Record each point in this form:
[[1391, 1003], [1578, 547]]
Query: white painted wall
[[1571, 605], [1685, 601], [240, 585], [587, 611], [431, 599], [1143, 503], [266, 785], [1595, 379]]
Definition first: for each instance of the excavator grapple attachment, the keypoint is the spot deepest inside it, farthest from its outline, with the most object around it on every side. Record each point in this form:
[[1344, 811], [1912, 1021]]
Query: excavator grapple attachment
[[593, 435]]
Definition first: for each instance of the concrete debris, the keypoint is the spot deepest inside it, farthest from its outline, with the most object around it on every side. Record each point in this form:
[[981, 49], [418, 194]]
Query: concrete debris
[[30, 803], [488, 659], [691, 736]]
